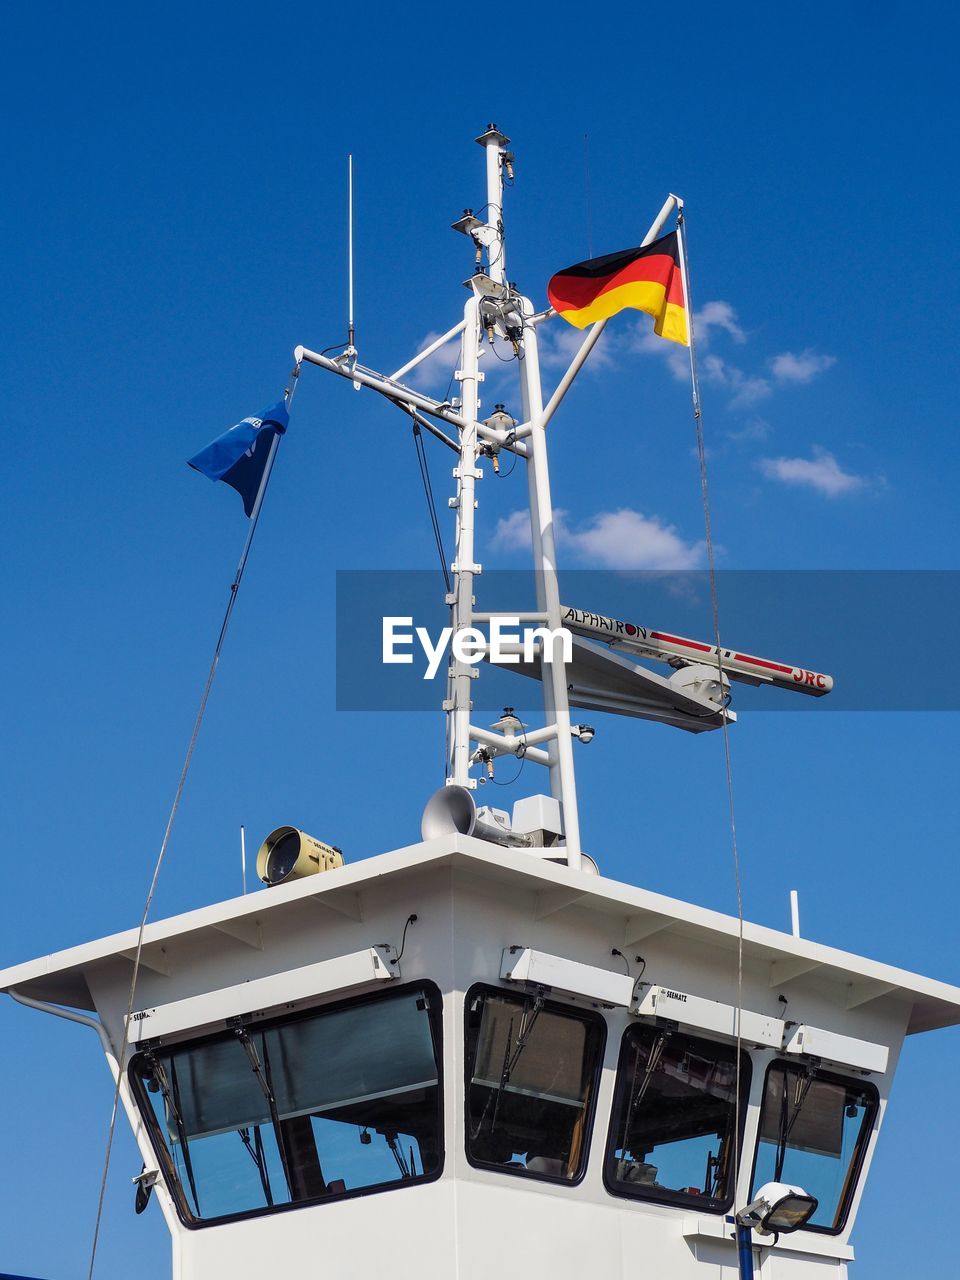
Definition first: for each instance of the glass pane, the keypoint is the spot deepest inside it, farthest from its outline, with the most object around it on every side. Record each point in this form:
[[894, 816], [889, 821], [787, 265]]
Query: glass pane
[[532, 1073], [342, 1100], [813, 1128], [674, 1117]]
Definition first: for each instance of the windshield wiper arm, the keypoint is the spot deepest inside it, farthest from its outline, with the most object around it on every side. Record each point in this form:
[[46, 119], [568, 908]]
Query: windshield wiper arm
[[258, 1156], [171, 1099], [512, 1056], [262, 1072]]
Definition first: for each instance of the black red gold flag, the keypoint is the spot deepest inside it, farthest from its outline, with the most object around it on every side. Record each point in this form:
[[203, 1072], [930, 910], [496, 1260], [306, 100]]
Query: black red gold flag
[[648, 279]]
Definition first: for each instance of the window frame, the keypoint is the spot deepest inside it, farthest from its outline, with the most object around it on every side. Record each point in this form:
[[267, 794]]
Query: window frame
[[855, 1168], [666, 1196], [171, 1177], [591, 1017]]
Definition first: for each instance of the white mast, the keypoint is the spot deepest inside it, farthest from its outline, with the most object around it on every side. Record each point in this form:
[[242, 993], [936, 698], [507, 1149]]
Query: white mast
[[495, 308], [464, 567]]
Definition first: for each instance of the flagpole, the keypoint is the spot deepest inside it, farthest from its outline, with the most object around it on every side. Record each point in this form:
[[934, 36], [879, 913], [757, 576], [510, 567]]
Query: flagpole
[[593, 337], [350, 327]]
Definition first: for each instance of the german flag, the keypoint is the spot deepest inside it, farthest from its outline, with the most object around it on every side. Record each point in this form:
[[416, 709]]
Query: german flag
[[648, 279]]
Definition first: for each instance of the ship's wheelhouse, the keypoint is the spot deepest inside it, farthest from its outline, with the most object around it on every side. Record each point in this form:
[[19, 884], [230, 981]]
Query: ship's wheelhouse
[[550, 1074]]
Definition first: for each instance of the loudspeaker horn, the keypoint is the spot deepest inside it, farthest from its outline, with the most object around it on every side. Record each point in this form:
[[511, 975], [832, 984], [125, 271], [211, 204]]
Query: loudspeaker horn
[[453, 811]]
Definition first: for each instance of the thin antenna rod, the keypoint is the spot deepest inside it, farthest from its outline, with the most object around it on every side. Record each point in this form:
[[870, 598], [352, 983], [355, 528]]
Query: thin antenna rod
[[350, 327], [243, 856]]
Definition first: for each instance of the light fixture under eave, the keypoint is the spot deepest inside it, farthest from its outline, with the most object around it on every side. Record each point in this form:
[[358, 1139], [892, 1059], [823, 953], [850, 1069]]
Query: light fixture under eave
[[290, 854]]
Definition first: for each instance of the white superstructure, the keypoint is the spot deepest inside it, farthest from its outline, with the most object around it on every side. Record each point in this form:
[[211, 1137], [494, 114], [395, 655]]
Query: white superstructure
[[322, 942]]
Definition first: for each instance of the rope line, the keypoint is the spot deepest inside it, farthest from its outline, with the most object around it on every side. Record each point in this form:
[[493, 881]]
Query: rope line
[[431, 501], [122, 1055], [715, 608]]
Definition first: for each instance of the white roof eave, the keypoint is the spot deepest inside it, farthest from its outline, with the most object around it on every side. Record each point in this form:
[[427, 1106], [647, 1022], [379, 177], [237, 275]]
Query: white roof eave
[[61, 976]]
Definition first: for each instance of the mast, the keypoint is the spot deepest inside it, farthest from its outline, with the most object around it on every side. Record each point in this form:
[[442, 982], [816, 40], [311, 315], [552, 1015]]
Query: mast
[[693, 698], [499, 298], [464, 566]]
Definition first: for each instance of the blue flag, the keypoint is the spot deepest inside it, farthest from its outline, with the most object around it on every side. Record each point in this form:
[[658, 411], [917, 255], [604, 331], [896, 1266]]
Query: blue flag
[[239, 456]]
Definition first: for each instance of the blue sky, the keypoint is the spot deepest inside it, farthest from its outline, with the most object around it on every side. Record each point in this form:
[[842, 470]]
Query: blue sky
[[174, 224]]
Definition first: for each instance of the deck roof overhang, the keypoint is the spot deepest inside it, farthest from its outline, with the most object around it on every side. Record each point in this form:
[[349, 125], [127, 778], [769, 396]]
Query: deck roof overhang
[[61, 976]]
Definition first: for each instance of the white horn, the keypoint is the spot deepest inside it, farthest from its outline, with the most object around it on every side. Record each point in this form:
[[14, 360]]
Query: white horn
[[453, 811]]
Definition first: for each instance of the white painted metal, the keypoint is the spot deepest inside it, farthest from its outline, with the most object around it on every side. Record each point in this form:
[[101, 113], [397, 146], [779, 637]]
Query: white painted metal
[[524, 964], [342, 973], [600, 679], [472, 900], [538, 813], [503, 744], [709, 1015], [351, 332], [632, 638], [497, 254], [795, 913], [464, 567], [556, 704], [794, 965], [243, 857], [428, 351], [830, 1046]]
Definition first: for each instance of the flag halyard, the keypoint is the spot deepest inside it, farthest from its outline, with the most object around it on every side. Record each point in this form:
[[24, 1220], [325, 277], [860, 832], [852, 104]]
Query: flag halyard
[[648, 278]]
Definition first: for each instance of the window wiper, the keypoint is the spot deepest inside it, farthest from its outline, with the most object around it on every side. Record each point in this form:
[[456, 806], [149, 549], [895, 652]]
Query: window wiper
[[171, 1100], [638, 1089], [512, 1055], [407, 1168], [258, 1156], [786, 1126], [262, 1072]]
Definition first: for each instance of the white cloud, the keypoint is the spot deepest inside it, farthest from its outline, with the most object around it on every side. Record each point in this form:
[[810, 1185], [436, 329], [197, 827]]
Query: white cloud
[[627, 539], [513, 531], [642, 339], [800, 367], [755, 429], [621, 539], [744, 388], [821, 472], [716, 315], [711, 318], [559, 342], [436, 369]]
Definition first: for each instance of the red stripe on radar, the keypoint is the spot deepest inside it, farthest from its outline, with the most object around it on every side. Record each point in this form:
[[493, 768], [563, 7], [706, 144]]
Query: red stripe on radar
[[689, 644], [760, 662]]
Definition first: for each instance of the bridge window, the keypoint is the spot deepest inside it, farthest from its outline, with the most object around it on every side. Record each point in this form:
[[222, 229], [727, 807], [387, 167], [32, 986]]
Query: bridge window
[[673, 1129], [814, 1129], [314, 1107], [532, 1073]]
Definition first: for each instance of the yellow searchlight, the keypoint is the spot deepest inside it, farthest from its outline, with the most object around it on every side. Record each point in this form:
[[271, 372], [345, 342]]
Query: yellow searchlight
[[290, 854]]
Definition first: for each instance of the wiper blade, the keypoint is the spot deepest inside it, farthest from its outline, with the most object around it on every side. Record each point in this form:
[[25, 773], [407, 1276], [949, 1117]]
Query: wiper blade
[[512, 1055], [171, 1099], [262, 1072], [258, 1156]]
